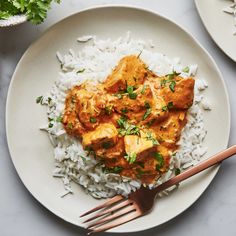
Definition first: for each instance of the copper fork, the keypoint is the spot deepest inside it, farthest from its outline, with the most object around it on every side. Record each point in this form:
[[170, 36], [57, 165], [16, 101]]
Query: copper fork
[[119, 210]]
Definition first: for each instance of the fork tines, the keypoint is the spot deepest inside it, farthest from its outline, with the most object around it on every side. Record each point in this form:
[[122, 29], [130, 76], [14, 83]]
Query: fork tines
[[114, 212]]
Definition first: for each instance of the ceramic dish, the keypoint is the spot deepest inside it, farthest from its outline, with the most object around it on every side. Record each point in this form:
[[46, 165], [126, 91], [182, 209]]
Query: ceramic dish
[[31, 151], [13, 20], [219, 24]]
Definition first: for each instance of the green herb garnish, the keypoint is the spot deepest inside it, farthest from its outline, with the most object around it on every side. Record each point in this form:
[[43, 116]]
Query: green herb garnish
[[172, 85], [130, 91], [116, 169], [39, 100], [172, 75], [59, 118], [169, 106], [50, 125], [126, 128], [186, 69], [80, 71], [124, 110], [35, 10], [108, 109], [93, 120], [148, 111], [131, 157], [177, 171], [158, 156], [151, 138], [70, 125]]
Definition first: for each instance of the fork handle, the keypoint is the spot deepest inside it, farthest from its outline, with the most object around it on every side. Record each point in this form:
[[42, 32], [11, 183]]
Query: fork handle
[[217, 158]]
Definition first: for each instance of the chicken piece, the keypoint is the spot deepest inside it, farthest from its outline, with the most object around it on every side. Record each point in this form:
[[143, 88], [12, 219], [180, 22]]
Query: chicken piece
[[182, 96], [103, 136], [140, 145], [91, 101], [70, 120], [146, 107], [112, 152], [169, 130], [130, 71]]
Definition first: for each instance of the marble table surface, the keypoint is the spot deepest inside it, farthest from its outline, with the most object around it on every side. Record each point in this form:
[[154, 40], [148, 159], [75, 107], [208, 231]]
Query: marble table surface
[[20, 214]]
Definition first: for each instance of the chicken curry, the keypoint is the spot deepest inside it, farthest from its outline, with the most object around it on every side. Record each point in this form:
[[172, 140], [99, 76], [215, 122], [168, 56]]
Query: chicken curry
[[132, 121]]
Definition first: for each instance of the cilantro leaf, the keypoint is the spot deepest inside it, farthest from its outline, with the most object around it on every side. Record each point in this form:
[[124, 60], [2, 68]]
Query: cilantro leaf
[[35, 10], [131, 157]]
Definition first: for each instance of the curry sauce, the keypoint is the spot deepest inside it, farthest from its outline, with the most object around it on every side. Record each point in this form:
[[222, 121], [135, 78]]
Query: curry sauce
[[133, 121]]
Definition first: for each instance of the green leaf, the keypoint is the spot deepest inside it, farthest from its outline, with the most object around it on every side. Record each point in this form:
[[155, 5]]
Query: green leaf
[[147, 113], [151, 138], [177, 171], [169, 106], [116, 169], [172, 75], [186, 69], [172, 85], [93, 120], [124, 110], [126, 128], [108, 110], [59, 118], [130, 89], [39, 100], [80, 71], [133, 95], [35, 10], [158, 156], [131, 157]]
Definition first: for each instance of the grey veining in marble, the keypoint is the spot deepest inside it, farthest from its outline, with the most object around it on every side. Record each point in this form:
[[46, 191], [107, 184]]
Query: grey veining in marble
[[20, 214]]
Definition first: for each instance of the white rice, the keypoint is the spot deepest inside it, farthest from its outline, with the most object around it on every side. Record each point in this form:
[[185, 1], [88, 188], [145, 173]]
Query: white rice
[[231, 9], [95, 62]]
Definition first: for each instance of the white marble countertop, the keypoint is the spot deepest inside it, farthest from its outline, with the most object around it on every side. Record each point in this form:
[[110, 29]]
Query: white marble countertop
[[20, 214]]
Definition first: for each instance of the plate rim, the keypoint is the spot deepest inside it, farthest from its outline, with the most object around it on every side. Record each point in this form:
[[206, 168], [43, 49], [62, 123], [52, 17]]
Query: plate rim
[[130, 7], [210, 33]]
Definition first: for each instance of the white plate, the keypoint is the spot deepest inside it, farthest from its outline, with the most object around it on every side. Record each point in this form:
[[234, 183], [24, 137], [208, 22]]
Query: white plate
[[219, 24], [30, 148]]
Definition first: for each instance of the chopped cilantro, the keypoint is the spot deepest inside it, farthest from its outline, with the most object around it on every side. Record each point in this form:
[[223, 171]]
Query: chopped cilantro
[[39, 100], [70, 125], [116, 169], [147, 113], [80, 71], [158, 156], [93, 120], [186, 69], [172, 86], [133, 95], [131, 157], [108, 109], [126, 128], [50, 125], [177, 171], [124, 110], [169, 106], [59, 118], [172, 75], [151, 138]]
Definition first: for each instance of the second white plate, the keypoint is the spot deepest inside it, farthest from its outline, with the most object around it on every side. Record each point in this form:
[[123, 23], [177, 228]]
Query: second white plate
[[219, 24]]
